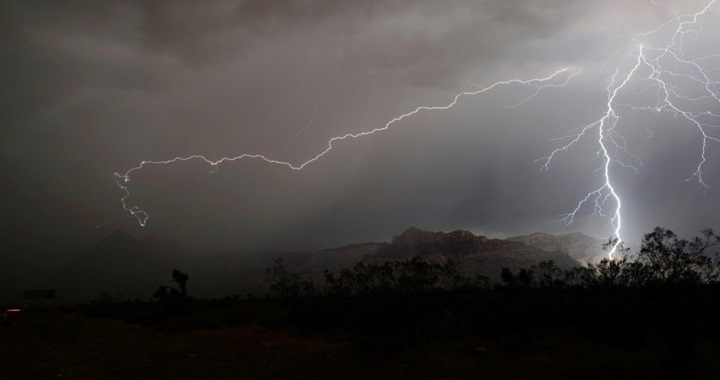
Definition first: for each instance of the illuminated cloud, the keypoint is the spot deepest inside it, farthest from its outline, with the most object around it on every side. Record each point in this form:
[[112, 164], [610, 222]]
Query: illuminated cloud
[[98, 88]]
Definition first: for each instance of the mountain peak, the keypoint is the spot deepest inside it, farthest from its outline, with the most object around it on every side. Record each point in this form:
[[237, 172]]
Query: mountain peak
[[414, 235], [577, 235], [539, 234]]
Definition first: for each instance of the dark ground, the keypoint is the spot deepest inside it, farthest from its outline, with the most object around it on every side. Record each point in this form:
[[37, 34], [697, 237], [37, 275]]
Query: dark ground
[[655, 317], [65, 344]]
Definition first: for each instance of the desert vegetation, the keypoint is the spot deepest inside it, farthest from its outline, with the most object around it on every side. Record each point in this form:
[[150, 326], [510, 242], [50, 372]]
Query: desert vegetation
[[656, 308]]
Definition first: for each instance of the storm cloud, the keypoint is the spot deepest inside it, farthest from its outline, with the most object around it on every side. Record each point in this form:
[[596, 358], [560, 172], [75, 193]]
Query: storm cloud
[[93, 88]]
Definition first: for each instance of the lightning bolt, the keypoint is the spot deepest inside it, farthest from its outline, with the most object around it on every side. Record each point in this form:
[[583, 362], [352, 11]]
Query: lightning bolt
[[662, 62], [122, 179], [656, 65]]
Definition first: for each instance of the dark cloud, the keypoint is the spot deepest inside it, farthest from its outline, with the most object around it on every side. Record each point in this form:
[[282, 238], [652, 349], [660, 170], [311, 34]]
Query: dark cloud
[[90, 88]]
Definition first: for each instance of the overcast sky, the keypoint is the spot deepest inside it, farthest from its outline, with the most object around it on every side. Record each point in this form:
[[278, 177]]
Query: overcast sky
[[92, 88]]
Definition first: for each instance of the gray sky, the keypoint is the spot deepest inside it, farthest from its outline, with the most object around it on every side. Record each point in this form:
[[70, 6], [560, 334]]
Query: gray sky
[[93, 88]]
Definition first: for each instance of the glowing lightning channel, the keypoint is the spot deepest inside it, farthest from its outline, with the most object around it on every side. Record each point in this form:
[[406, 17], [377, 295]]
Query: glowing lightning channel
[[142, 217], [610, 142], [651, 58], [605, 126]]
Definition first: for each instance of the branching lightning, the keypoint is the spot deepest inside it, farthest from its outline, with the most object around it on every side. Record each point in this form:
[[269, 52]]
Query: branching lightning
[[662, 62], [142, 216], [655, 67]]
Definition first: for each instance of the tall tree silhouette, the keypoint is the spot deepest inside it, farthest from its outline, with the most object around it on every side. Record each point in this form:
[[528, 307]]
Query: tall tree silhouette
[[181, 280]]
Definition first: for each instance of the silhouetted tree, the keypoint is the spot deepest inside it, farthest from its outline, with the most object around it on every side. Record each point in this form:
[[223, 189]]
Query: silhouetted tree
[[524, 278], [507, 276], [162, 293], [671, 260], [580, 277], [285, 284], [166, 294], [396, 277], [610, 272], [548, 274], [181, 279]]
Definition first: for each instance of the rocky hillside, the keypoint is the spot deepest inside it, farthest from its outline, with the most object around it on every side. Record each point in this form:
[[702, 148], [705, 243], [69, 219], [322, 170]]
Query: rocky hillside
[[472, 254], [135, 267], [579, 246]]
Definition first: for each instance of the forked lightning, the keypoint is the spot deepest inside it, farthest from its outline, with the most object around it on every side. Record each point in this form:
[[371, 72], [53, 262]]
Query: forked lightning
[[655, 66]]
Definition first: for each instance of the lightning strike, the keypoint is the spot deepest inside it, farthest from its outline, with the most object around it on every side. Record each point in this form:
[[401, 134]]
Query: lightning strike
[[657, 66], [142, 216], [660, 61]]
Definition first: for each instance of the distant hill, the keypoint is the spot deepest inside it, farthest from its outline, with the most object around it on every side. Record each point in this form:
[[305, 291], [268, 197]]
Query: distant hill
[[579, 246], [472, 254], [136, 267]]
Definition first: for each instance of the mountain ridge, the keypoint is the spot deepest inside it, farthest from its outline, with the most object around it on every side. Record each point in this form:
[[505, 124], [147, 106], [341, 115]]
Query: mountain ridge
[[124, 263], [581, 247], [472, 254]]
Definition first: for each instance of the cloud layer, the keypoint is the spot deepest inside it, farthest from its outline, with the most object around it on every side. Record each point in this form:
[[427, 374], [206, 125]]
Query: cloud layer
[[93, 88]]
